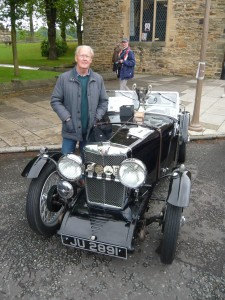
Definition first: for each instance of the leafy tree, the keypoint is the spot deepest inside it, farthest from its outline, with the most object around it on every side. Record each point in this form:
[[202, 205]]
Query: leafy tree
[[63, 12], [78, 19], [70, 12], [30, 10], [13, 10], [71, 32], [42, 32]]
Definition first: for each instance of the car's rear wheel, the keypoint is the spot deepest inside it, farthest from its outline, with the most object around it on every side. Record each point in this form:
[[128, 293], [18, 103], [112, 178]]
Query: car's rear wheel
[[42, 208], [171, 229]]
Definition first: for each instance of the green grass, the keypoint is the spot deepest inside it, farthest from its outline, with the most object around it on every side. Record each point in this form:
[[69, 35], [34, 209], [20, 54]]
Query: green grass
[[7, 74], [29, 54]]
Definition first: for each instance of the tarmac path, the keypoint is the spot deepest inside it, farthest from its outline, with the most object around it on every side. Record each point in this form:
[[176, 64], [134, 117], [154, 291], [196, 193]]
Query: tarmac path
[[37, 268]]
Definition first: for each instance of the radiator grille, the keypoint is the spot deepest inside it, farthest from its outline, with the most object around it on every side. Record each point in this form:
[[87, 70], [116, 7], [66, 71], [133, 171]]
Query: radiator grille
[[105, 193], [106, 160], [99, 191]]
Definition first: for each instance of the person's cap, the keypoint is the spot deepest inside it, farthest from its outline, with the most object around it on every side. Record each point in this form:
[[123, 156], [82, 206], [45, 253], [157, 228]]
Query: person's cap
[[125, 40]]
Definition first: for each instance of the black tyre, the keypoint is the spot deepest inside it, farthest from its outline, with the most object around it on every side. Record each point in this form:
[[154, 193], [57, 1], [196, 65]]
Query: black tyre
[[171, 229], [42, 216], [182, 153]]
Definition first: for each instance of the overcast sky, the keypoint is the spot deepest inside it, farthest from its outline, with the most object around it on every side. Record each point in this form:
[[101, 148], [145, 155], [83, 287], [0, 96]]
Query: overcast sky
[[38, 22]]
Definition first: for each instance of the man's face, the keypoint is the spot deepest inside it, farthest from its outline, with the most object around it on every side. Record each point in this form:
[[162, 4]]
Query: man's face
[[125, 44], [84, 59]]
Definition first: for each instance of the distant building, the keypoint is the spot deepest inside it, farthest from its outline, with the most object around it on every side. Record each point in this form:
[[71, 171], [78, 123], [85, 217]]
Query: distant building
[[5, 35], [164, 34]]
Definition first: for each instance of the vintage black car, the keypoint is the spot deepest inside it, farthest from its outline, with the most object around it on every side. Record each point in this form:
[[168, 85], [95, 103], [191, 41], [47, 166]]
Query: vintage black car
[[140, 143]]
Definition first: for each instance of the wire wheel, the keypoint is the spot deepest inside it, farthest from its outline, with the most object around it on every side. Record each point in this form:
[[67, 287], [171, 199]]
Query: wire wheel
[[43, 217]]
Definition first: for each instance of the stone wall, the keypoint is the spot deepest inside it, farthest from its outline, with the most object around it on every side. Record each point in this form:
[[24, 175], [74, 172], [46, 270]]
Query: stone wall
[[105, 22], [103, 29]]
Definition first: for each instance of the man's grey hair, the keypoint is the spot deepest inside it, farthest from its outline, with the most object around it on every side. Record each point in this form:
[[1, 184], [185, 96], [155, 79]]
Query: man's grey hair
[[84, 47]]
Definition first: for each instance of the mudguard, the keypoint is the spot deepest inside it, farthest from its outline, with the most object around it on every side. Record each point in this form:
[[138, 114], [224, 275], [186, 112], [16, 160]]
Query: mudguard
[[180, 189], [184, 123], [34, 167]]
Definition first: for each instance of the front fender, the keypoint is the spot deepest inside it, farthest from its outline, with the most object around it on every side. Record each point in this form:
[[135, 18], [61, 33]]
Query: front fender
[[34, 167], [180, 189]]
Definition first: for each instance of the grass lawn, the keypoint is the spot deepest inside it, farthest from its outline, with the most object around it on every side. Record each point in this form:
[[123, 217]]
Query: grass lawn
[[29, 54], [7, 74]]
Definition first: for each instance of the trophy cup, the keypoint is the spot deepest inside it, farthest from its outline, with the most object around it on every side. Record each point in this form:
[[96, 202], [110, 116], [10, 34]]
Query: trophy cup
[[142, 92]]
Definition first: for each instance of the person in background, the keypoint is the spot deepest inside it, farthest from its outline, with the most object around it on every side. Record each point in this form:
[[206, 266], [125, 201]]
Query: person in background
[[127, 63], [79, 98], [115, 56]]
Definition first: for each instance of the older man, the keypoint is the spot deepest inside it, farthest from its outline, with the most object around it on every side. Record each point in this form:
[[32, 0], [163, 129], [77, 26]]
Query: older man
[[127, 62], [79, 99]]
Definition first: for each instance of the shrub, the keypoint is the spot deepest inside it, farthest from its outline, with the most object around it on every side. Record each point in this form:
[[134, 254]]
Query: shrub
[[44, 48], [61, 48]]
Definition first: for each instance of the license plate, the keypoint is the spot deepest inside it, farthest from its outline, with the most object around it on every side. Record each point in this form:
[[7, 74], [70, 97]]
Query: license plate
[[96, 247]]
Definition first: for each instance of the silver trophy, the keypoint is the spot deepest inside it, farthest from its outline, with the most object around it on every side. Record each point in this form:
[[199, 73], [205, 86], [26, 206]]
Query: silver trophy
[[142, 92]]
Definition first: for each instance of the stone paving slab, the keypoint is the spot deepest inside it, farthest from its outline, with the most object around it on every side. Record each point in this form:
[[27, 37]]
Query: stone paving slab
[[7, 125]]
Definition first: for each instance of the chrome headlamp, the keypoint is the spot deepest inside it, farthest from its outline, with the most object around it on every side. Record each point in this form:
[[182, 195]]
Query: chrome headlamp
[[70, 167], [132, 173]]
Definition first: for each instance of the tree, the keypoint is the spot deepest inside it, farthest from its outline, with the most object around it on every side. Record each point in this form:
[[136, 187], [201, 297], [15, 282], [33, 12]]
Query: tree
[[64, 12], [50, 9], [70, 12], [30, 9], [13, 10], [78, 19]]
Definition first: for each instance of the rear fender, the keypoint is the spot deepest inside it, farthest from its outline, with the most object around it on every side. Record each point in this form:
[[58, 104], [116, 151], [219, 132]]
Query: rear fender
[[180, 188], [34, 167]]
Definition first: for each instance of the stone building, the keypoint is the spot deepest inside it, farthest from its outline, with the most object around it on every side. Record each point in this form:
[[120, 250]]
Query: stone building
[[164, 34]]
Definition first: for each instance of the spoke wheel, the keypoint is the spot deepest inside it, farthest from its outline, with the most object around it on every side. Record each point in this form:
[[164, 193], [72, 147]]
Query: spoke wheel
[[171, 229], [43, 217]]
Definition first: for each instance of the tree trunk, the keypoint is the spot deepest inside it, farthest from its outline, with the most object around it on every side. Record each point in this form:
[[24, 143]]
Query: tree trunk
[[13, 38], [31, 24], [78, 18], [63, 31], [51, 20], [79, 34]]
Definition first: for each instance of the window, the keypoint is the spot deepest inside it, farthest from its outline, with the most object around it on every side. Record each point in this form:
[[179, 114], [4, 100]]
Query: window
[[148, 20]]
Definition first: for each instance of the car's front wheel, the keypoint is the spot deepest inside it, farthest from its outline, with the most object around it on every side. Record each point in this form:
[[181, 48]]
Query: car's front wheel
[[171, 229], [43, 209]]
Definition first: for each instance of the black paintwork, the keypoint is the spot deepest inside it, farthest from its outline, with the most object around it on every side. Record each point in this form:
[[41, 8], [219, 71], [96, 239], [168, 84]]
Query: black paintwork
[[158, 151]]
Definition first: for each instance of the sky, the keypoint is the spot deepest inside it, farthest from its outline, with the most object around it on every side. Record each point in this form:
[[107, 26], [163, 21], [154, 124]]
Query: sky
[[38, 22]]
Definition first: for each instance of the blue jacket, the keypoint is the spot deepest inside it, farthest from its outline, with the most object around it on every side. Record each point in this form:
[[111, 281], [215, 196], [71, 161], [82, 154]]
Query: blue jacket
[[66, 102], [127, 68]]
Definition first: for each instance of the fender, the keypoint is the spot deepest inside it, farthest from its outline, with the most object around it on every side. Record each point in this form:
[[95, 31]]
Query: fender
[[34, 167], [180, 189], [184, 123]]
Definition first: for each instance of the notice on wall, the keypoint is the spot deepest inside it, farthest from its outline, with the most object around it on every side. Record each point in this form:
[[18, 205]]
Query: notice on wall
[[147, 27], [144, 36]]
